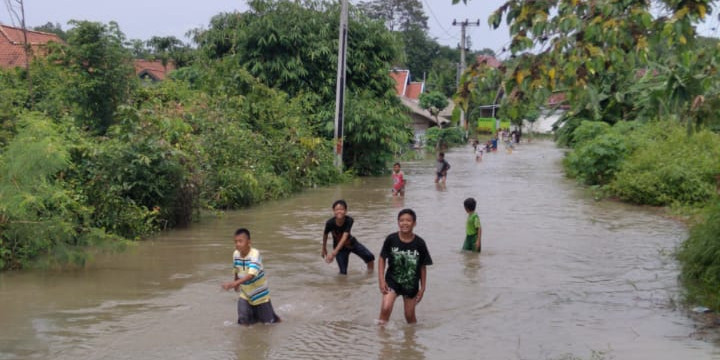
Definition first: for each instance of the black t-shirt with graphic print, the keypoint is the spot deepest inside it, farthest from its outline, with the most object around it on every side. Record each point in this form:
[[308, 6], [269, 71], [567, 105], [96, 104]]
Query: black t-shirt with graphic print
[[337, 231], [404, 261]]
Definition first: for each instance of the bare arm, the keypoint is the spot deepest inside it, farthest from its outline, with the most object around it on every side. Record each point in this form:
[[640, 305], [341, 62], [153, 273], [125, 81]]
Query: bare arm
[[324, 246], [381, 276], [237, 281], [423, 284], [479, 238], [336, 250]]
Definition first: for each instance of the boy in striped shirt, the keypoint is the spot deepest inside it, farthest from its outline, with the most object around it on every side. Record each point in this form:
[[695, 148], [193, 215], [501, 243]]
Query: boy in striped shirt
[[254, 301]]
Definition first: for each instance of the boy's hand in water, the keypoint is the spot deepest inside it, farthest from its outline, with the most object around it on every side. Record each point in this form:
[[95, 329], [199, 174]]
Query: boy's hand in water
[[329, 258], [227, 286]]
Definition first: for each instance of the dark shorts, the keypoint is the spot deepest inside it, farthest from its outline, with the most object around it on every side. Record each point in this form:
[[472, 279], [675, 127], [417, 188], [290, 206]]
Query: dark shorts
[[469, 243], [400, 291], [343, 256], [251, 314], [439, 175]]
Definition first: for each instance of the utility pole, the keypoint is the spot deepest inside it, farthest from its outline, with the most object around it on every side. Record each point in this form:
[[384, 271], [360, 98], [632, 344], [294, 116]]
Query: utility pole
[[463, 38], [340, 86]]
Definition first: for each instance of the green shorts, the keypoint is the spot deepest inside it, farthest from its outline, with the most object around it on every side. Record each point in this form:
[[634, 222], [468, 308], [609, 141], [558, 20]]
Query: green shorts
[[469, 243]]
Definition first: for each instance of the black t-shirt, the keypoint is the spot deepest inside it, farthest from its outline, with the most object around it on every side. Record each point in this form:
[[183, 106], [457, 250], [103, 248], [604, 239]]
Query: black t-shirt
[[337, 231], [404, 261]]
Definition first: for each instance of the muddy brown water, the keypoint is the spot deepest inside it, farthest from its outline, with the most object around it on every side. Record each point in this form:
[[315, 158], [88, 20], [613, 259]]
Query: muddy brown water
[[560, 277]]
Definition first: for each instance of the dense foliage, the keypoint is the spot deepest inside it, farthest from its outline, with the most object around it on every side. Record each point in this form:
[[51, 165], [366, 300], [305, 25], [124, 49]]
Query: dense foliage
[[92, 156], [700, 255], [440, 138]]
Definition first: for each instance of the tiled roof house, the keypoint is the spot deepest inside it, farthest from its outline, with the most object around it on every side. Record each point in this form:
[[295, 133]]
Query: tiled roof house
[[153, 70], [409, 93], [12, 43]]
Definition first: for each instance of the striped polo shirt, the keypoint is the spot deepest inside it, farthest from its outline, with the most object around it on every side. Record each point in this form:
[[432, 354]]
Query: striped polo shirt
[[255, 290]]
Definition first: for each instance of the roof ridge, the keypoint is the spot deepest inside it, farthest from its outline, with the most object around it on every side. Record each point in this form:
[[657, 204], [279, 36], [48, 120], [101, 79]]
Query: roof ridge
[[28, 30]]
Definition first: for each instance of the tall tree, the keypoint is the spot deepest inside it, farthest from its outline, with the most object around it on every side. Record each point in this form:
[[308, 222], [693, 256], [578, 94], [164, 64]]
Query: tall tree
[[398, 15], [102, 72], [593, 50], [55, 28], [168, 48], [293, 46]]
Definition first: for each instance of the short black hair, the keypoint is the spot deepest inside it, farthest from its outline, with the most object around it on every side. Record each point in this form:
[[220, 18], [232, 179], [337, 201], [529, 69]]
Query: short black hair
[[470, 204], [398, 164], [339, 202], [442, 154], [408, 211], [241, 231]]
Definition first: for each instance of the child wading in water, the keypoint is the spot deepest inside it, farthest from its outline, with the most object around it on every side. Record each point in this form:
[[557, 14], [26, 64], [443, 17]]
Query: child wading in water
[[473, 230], [254, 302], [407, 257], [398, 178], [343, 242], [441, 168]]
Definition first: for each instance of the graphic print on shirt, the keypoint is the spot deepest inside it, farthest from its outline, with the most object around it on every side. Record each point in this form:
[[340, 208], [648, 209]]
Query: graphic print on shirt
[[405, 267]]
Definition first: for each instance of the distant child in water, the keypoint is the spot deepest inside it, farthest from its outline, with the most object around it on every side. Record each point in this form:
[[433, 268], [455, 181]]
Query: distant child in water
[[343, 242], [407, 258], [441, 168], [398, 178], [473, 230], [254, 304]]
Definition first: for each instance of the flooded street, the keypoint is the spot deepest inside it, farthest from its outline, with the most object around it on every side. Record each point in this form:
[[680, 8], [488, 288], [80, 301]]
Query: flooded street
[[560, 277]]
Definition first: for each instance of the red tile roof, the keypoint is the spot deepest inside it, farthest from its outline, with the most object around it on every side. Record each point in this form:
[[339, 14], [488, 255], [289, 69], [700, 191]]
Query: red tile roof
[[489, 60], [558, 100], [401, 78], [12, 53], [154, 69], [414, 89]]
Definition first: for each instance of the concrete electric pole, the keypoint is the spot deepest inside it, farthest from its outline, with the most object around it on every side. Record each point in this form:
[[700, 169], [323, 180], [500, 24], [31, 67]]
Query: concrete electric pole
[[463, 38], [340, 86]]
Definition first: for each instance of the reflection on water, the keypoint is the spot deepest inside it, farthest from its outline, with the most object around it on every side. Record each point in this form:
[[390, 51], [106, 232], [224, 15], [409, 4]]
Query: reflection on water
[[560, 276]]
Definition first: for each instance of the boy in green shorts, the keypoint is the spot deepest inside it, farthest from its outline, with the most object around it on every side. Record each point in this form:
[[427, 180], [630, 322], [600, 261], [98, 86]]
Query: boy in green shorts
[[473, 230]]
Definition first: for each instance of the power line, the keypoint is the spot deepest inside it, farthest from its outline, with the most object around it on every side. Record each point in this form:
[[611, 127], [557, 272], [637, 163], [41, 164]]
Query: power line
[[438, 21]]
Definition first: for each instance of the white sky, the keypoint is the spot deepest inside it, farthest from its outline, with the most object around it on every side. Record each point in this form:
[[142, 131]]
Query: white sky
[[142, 19]]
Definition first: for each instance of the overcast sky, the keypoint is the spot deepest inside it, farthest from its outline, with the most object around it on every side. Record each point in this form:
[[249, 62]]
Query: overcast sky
[[142, 19]]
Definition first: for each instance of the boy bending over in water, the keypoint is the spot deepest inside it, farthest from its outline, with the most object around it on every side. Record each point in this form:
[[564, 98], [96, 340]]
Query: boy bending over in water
[[407, 257], [343, 242], [254, 301]]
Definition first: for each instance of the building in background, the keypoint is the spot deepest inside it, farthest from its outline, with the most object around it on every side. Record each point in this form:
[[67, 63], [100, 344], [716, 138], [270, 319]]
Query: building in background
[[12, 45]]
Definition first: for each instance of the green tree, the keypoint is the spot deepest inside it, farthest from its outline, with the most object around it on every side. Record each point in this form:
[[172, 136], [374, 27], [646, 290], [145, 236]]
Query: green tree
[[102, 73], [434, 102], [138, 48], [293, 46], [167, 48], [55, 28], [39, 213], [398, 15], [592, 51]]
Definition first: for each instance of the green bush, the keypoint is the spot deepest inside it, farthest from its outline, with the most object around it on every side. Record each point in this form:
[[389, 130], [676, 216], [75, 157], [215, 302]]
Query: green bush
[[668, 166], [565, 131], [595, 162], [700, 259], [445, 137], [589, 130], [39, 214]]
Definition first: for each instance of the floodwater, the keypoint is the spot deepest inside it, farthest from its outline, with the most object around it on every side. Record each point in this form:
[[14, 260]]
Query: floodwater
[[560, 277]]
